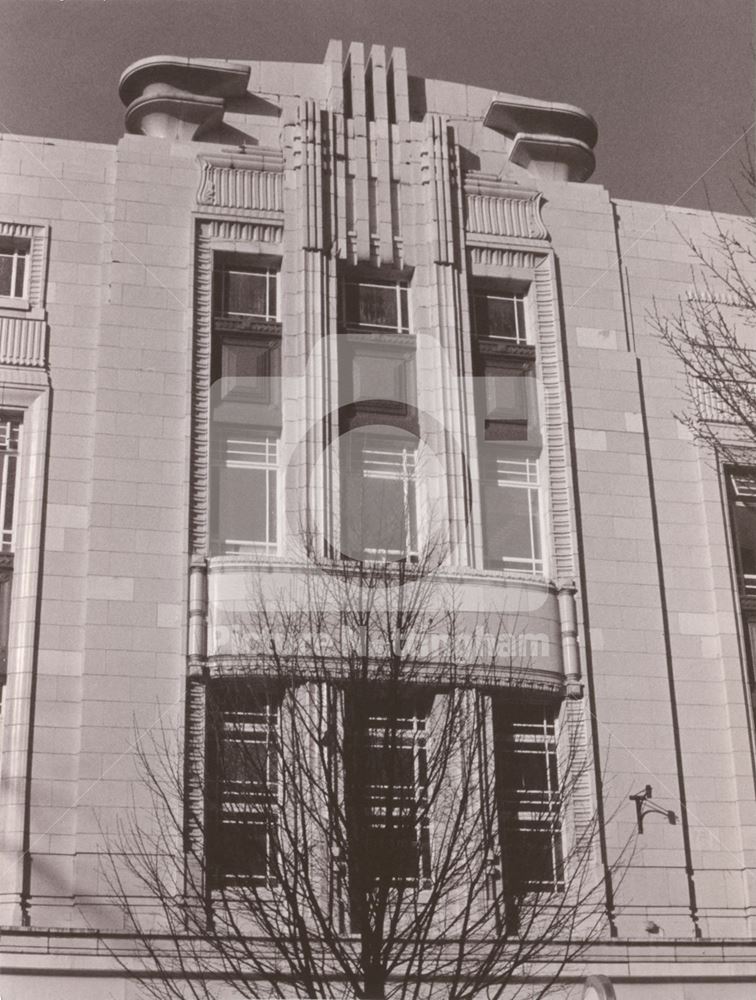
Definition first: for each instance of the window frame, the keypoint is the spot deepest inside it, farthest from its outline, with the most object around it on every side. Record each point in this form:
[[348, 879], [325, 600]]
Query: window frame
[[359, 279], [226, 266], [266, 460], [17, 249], [527, 810], [745, 583], [505, 292], [369, 725], [369, 441], [740, 497], [269, 796], [530, 482]]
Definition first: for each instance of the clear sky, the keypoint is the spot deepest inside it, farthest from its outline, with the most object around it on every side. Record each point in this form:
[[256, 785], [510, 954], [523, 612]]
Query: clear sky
[[670, 82]]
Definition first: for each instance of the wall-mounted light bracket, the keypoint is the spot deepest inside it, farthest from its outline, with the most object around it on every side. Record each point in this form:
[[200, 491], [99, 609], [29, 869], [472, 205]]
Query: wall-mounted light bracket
[[644, 807]]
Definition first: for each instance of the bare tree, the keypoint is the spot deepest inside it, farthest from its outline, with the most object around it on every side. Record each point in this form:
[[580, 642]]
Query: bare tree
[[382, 808], [713, 335]]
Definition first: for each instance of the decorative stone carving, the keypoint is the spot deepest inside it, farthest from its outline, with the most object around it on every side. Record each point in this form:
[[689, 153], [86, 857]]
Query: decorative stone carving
[[246, 182], [178, 98], [498, 208], [22, 341], [500, 257]]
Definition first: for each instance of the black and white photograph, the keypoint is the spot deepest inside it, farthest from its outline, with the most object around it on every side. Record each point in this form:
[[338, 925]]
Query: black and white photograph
[[377, 500]]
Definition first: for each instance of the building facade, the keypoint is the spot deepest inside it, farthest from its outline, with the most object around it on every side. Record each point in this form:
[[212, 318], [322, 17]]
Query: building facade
[[340, 302]]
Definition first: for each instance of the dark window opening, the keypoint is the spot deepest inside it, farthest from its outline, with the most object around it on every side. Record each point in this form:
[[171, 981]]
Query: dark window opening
[[14, 267], [499, 315], [243, 747], [387, 774], [375, 304], [528, 798]]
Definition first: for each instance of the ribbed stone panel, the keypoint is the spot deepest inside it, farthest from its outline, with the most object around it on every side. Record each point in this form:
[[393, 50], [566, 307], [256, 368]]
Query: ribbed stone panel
[[496, 208], [252, 183], [22, 341]]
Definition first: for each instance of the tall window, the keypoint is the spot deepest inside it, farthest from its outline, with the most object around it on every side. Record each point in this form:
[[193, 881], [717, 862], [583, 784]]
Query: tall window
[[10, 427], [246, 331], [14, 267], [245, 405], [379, 496], [509, 439], [510, 497], [243, 761], [375, 304], [389, 789], [528, 797], [245, 492]]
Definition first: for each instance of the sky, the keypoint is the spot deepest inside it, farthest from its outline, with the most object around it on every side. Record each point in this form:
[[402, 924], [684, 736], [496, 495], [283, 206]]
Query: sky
[[670, 82]]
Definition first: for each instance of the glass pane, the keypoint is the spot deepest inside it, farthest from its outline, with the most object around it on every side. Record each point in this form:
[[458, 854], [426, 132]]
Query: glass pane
[[273, 507], [530, 857], [242, 517], [245, 496], [6, 274], [246, 293], [20, 269], [535, 524], [245, 763], [507, 524], [496, 316], [377, 305], [404, 307], [525, 769], [8, 499], [745, 532], [391, 768], [378, 498], [383, 516], [244, 360], [5, 596], [520, 317], [243, 849], [394, 850], [506, 393]]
